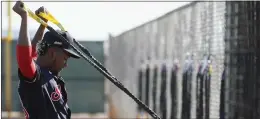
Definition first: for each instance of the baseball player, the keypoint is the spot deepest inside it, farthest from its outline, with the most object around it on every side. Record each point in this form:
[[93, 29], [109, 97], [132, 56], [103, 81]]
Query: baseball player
[[41, 88]]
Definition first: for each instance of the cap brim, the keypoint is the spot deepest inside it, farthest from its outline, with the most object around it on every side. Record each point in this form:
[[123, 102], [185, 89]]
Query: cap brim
[[72, 53]]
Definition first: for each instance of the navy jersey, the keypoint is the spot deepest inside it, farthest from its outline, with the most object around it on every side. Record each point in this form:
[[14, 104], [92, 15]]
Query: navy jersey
[[44, 97]]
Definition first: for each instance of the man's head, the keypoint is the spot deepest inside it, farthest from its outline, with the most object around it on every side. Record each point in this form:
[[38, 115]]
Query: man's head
[[53, 52]]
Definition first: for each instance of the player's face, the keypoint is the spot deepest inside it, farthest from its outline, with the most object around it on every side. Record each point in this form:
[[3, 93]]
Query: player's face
[[60, 58]]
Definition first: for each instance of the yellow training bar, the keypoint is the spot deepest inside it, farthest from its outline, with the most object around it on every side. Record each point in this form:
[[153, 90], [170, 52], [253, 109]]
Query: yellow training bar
[[34, 16], [48, 16], [52, 19]]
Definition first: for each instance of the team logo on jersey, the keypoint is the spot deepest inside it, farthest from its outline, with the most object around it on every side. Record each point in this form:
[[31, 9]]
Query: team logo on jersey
[[56, 95]]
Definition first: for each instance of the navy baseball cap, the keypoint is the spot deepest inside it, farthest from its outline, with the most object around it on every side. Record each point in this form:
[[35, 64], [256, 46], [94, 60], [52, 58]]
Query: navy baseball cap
[[53, 40]]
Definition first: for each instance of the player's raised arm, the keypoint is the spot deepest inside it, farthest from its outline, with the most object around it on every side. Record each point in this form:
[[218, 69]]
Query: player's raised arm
[[24, 49], [39, 33]]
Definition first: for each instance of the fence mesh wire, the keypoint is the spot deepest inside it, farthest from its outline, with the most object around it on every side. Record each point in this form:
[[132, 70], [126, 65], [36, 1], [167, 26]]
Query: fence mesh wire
[[242, 60], [185, 37]]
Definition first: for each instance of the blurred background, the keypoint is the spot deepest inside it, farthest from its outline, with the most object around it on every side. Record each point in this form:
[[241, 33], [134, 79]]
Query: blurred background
[[183, 59]]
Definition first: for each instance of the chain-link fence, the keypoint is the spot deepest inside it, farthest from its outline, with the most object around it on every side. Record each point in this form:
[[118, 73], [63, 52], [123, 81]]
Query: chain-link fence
[[242, 60], [191, 38]]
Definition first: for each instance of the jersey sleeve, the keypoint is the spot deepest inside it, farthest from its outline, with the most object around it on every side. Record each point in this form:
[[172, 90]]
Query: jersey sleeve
[[25, 79], [27, 69]]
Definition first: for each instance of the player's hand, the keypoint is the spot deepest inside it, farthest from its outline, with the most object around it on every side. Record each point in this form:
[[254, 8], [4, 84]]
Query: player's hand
[[43, 10], [18, 8]]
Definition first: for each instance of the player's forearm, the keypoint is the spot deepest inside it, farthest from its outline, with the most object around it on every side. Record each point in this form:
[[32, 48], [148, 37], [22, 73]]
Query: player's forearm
[[38, 36], [24, 38]]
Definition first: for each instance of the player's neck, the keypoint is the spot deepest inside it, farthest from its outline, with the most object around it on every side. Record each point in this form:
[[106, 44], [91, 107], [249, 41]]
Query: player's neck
[[42, 62]]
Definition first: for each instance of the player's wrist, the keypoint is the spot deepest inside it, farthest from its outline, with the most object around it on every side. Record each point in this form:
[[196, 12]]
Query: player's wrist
[[24, 16], [45, 20]]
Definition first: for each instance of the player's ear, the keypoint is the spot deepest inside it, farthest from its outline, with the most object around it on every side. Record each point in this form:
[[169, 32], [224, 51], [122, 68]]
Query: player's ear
[[51, 53]]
